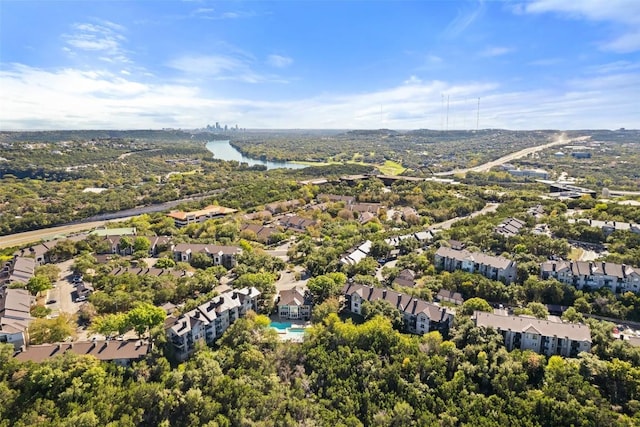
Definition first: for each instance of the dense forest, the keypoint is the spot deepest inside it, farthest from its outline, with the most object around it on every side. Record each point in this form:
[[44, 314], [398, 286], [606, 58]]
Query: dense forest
[[343, 374]]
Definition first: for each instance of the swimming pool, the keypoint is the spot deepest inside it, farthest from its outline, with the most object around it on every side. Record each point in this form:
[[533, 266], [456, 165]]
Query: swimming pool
[[287, 332]]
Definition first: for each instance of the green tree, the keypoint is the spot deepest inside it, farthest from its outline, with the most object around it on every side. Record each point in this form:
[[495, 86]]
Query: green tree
[[539, 310], [475, 304], [326, 286], [165, 263], [38, 284], [111, 324], [321, 311], [572, 315], [126, 244], [145, 316], [51, 330], [141, 244], [40, 311], [50, 271], [201, 260], [385, 309]]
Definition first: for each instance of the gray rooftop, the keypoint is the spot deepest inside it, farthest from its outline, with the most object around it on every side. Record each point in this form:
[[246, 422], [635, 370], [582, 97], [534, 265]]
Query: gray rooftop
[[477, 257], [547, 328]]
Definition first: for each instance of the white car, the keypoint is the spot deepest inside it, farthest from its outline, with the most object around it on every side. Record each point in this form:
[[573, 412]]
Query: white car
[[81, 298]]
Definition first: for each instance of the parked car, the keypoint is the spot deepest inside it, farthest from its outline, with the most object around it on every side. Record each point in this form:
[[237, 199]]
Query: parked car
[[81, 298], [52, 301]]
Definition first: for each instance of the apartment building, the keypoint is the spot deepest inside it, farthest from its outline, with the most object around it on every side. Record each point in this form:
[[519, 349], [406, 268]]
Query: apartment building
[[539, 335], [491, 267], [207, 322], [593, 275], [419, 316]]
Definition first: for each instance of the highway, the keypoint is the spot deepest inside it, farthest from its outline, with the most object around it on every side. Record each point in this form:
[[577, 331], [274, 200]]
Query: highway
[[561, 139], [26, 237], [20, 239]]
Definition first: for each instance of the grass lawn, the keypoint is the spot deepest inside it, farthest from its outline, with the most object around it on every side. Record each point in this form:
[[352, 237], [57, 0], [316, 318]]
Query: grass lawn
[[391, 168]]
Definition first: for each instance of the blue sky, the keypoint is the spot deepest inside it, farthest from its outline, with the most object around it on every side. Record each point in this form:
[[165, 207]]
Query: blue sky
[[534, 64]]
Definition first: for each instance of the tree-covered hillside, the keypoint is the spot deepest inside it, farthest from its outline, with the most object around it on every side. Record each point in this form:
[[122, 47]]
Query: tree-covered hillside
[[342, 375]]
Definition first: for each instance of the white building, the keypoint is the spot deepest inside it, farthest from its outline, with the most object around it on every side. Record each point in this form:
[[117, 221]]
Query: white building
[[491, 267], [419, 316], [207, 322], [539, 335], [220, 255], [594, 275]]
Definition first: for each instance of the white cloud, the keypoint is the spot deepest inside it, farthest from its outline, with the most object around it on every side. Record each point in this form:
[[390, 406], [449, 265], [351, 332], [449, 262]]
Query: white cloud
[[238, 67], [413, 80], [279, 61], [463, 19], [625, 13], [496, 51], [104, 38], [69, 98]]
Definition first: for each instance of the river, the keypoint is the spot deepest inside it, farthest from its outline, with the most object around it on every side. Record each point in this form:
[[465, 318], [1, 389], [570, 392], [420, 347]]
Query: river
[[224, 151]]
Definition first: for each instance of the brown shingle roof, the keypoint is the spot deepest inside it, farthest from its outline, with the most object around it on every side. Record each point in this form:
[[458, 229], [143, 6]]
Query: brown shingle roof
[[102, 350]]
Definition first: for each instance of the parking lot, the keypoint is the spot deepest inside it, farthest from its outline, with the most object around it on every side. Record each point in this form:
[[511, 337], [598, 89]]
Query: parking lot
[[64, 293]]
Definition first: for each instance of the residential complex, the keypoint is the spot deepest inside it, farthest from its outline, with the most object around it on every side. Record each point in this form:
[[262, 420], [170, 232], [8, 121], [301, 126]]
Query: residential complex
[[419, 316], [220, 255], [15, 316], [539, 335], [294, 304], [510, 227], [120, 352], [594, 275], [492, 267], [208, 321]]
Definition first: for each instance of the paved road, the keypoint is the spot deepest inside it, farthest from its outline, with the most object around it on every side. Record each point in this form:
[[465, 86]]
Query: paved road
[[19, 239], [559, 140], [445, 225], [48, 233]]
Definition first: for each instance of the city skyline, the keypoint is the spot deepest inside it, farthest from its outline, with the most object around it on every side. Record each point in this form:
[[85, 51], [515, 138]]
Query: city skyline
[[539, 64]]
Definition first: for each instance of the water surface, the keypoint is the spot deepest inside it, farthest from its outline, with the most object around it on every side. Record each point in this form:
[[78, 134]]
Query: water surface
[[224, 151]]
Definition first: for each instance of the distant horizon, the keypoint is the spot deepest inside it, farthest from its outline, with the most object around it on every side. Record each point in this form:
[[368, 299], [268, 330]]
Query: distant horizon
[[315, 129], [463, 65]]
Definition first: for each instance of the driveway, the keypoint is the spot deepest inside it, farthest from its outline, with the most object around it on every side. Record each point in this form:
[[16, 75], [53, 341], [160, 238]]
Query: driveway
[[389, 264], [281, 251], [288, 280]]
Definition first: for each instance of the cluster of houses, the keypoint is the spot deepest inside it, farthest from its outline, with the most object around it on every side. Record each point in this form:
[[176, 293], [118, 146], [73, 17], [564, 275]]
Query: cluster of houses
[[510, 227], [492, 267], [119, 352], [15, 316], [182, 218], [609, 227], [208, 321], [357, 254]]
